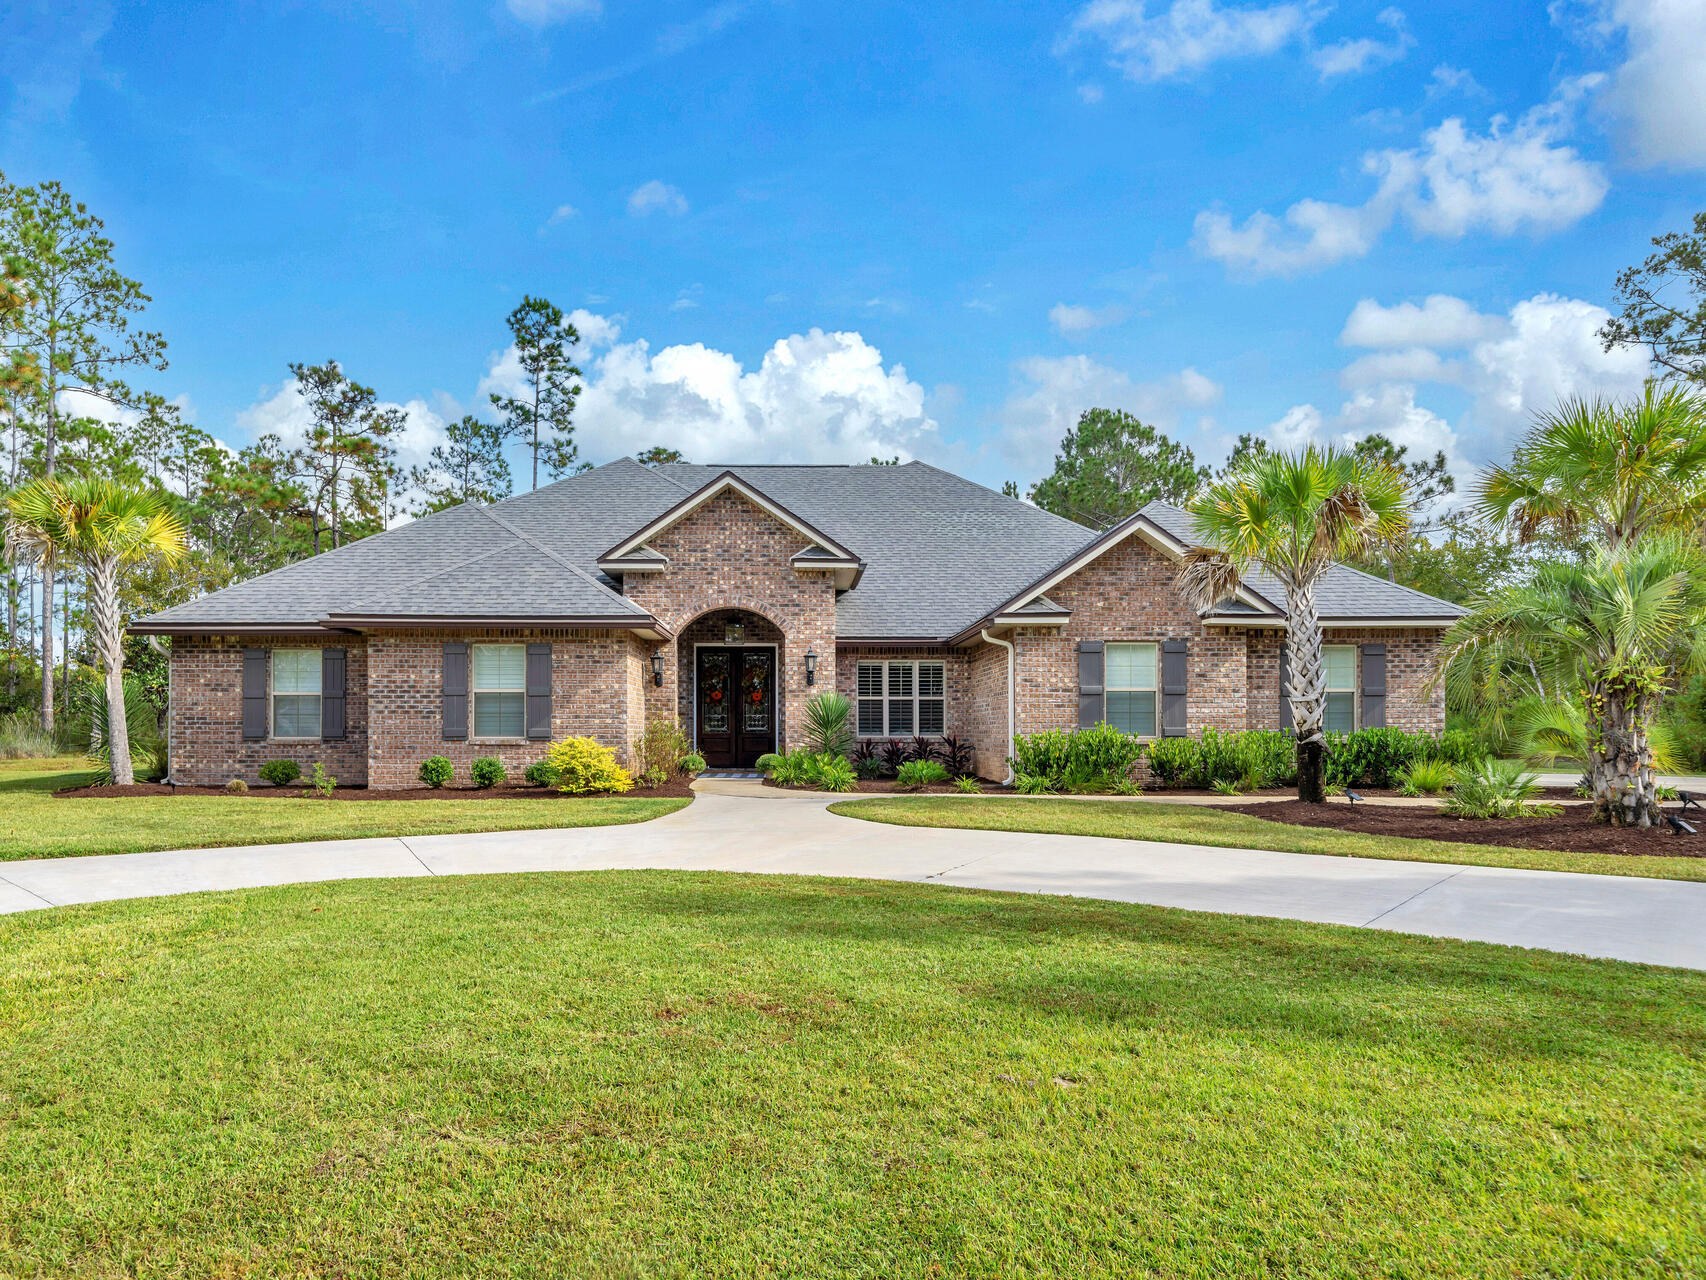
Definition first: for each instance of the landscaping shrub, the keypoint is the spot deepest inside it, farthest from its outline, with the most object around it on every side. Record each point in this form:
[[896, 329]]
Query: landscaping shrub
[[1104, 750], [663, 746], [147, 749], [693, 764], [867, 763], [584, 765], [914, 775], [894, 755], [968, 784], [956, 754], [922, 749], [1496, 789], [834, 773], [653, 777], [435, 771], [1043, 755], [487, 771], [766, 763], [1424, 778], [540, 774], [829, 723], [236, 787], [1373, 757], [1028, 784], [321, 783], [281, 773], [1173, 761]]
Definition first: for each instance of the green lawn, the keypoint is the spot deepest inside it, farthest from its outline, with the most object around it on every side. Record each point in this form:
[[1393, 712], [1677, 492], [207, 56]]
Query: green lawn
[[35, 825], [666, 1074], [1201, 824]]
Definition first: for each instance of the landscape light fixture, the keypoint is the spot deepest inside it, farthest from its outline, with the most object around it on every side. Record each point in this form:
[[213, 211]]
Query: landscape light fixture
[[657, 668], [811, 666], [1680, 828], [1351, 796]]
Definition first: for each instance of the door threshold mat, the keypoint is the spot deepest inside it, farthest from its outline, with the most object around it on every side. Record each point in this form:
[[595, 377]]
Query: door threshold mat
[[748, 774]]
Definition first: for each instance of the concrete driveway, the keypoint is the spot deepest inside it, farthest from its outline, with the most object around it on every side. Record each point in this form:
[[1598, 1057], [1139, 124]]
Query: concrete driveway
[[1651, 921]]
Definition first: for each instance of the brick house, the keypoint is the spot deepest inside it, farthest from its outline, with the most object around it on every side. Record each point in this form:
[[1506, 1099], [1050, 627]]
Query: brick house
[[725, 597]]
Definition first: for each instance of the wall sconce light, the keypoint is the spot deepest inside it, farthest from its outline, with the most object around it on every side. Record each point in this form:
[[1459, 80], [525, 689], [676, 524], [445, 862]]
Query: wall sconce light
[[811, 667], [657, 668]]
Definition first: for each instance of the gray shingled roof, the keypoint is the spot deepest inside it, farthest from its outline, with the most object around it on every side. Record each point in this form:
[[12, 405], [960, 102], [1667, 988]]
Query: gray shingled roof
[[1344, 592], [940, 552]]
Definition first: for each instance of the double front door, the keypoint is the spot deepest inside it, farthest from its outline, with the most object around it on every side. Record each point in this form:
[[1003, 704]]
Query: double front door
[[735, 705]]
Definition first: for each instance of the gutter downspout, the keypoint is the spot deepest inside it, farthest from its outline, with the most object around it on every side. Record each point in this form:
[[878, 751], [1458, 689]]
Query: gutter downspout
[[1012, 728]]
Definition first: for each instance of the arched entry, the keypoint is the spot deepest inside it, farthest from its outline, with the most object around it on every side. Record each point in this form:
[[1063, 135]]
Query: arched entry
[[732, 704]]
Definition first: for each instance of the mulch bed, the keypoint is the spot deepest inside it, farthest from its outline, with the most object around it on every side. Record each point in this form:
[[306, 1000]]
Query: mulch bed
[[676, 787], [1574, 830]]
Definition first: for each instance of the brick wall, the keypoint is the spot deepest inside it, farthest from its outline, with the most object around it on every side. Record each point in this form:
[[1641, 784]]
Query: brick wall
[[731, 554], [593, 674], [710, 628], [204, 721], [1127, 595], [1409, 665], [986, 709]]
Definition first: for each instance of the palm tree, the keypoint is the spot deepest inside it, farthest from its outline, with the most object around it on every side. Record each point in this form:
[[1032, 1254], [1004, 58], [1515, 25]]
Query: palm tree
[[1293, 515], [1614, 471], [106, 527], [1621, 628]]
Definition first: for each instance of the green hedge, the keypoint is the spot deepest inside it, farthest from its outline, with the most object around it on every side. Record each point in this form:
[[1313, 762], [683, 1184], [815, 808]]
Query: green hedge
[[1096, 759]]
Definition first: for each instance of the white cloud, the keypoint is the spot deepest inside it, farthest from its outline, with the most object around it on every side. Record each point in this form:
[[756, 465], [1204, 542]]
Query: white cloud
[[1055, 391], [1073, 320], [285, 413], [546, 13], [815, 397], [1448, 80], [1189, 36], [1313, 234], [1389, 410], [1510, 367], [1353, 57], [656, 197], [1440, 321], [1515, 177], [1090, 93], [561, 214], [1658, 94]]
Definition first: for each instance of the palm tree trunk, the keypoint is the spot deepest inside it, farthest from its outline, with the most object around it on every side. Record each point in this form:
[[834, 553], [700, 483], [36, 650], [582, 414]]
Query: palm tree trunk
[[1307, 694], [108, 629], [1620, 759]]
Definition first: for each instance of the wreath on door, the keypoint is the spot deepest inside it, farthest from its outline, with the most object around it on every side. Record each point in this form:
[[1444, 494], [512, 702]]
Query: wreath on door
[[753, 682]]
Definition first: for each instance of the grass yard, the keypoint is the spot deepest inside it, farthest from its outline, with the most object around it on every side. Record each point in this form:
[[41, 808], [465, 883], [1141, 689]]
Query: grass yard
[[35, 825], [1202, 824], [667, 1074]]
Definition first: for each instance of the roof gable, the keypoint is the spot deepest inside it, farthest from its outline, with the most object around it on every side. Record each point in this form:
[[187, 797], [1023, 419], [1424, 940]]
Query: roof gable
[[725, 482]]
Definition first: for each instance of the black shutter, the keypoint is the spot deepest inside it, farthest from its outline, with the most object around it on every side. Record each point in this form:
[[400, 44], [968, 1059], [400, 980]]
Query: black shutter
[[1090, 697], [332, 721], [254, 695], [539, 691], [1285, 720], [1373, 686], [455, 690], [1174, 657]]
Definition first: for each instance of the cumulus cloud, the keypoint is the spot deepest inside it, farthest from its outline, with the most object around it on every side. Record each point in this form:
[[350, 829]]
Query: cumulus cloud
[[656, 197], [1189, 36], [1509, 367], [1439, 321], [1355, 56], [561, 214], [814, 397], [1513, 178], [1447, 80], [547, 13], [1073, 320], [1658, 93], [1055, 391], [284, 412]]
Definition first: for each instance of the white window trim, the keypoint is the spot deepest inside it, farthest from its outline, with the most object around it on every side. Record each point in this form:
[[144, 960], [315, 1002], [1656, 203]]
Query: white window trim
[[273, 695], [915, 699], [1356, 684], [1153, 689], [474, 693]]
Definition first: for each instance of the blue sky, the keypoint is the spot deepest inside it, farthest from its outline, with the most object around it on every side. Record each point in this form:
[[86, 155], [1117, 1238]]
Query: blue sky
[[814, 232]]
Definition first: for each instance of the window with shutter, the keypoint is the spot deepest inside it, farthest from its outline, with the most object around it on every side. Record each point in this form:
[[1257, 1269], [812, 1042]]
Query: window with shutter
[[296, 693], [901, 699], [499, 688], [1129, 673], [870, 699], [1339, 669]]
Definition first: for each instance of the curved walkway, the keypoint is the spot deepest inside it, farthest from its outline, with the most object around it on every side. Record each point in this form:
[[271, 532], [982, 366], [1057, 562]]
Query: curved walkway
[[1651, 921]]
